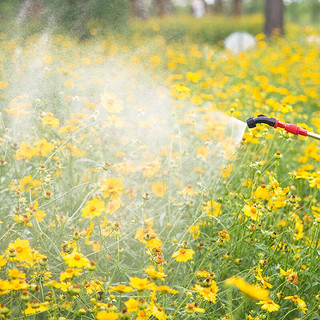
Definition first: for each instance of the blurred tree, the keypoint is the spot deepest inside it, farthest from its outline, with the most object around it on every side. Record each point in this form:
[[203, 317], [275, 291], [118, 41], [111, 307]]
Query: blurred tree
[[142, 9], [74, 15], [133, 8], [274, 17], [30, 9], [236, 8], [315, 10], [163, 7], [218, 7], [254, 6]]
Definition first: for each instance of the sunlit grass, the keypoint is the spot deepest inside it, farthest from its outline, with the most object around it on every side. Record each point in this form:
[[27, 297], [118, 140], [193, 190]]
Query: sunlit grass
[[127, 194]]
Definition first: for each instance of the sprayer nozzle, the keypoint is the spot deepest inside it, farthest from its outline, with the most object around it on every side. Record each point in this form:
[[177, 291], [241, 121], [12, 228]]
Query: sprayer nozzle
[[251, 123], [261, 118]]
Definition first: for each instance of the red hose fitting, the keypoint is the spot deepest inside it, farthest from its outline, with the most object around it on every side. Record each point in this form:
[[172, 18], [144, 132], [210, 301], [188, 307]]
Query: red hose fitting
[[292, 128]]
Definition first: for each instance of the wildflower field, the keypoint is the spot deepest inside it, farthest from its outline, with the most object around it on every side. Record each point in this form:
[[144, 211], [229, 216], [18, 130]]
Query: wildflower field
[[131, 188]]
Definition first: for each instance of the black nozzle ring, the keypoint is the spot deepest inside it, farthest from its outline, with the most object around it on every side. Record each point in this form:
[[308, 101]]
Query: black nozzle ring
[[252, 122]]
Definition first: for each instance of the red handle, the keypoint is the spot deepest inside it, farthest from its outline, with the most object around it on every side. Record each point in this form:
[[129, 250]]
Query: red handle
[[292, 128]]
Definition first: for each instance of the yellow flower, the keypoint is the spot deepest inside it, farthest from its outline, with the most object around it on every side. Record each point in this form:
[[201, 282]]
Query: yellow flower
[[212, 208], [44, 147], [202, 152], [89, 232], [76, 260], [188, 190], [262, 279], [18, 284], [141, 284], [180, 91], [262, 192], [226, 170], [22, 249], [3, 85], [298, 301], [111, 104], [93, 208], [69, 274], [5, 287], [183, 255], [25, 151], [299, 227], [202, 273], [193, 307], [195, 231], [193, 77], [154, 242], [269, 305], [102, 315], [165, 289], [23, 219], [120, 288], [208, 293], [159, 189], [95, 245], [224, 234], [157, 312], [94, 286], [112, 187], [113, 205], [251, 212], [315, 181], [14, 273], [151, 270], [249, 289], [50, 120], [132, 305], [143, 314], [36, 307], [3, 260], [39, 215], [292, 276]]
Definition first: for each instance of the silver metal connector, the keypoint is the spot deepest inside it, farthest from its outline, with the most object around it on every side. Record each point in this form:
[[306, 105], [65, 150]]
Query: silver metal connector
[[313, 135]]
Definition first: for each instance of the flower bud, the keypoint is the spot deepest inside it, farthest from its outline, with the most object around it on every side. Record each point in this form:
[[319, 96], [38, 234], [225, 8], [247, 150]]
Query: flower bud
[[34, 304], [82, 311], [4, 310], [91, 266], [220, 242], [76, 235], [74, 289], [25, 296], [106, 166], [49, 296], [47, 194]]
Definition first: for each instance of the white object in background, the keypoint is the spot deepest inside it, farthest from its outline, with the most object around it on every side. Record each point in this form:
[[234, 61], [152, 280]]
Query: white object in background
[[239, 41], [198, 8], [313, 39]]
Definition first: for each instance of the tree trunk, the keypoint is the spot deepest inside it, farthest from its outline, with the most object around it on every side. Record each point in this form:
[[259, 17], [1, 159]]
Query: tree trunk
[[315, 9], [30, 9], [236, 8], [142, 9], [218, 7], [133, 8], [161, 7], [274, 17]]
